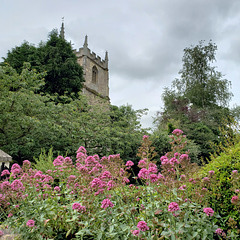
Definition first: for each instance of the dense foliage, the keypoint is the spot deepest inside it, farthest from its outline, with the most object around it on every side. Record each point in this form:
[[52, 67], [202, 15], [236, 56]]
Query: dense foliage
[[92, 198], [56, 58], [197, 102], [226, 167]]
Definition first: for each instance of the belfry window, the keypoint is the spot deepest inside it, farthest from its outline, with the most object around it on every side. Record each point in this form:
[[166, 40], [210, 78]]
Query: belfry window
[[94, 74]]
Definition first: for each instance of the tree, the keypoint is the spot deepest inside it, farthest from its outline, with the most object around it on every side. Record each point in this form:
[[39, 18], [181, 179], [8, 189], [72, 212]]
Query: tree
[[56, 57], [197, 102], [25, 53], [200, 83], [64, 74]]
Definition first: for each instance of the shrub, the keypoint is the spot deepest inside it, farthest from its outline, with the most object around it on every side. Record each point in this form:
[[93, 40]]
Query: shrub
[[225, 185], [92, 198]]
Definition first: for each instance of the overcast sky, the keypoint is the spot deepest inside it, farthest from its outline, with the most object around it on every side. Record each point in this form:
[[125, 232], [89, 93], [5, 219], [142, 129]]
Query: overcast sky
[[144, 38]]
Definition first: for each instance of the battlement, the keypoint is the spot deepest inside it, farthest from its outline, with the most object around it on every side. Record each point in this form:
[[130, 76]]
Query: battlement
[[92, 55]]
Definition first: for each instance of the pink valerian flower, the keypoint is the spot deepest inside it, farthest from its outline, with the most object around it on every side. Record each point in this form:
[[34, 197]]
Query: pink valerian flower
[[135, 232], [125, 180], [173, 207], [209, 211], [234, 171], [235, 200], [15, 166], [26, 164], [129, 164], [237, 191], [220, 232], [15, 169], [80, 157], [184, 157], [145, 137], [5, 172], [160, 176], [110, 184], [17, 185], [177, 132], [142, 163], [142, 226], [176, 154], [164, 160], [81, 168], [1, 233], [67, 161], [173, 160], [5, 185], [47, 178], [57, 189], [10, 215], [38, 174], [71, 178], [143, 173], [153, 178], [58, 161], [99, 192], [97, 183], [105, 175], [113, 157], [77, 206], [90, 161], [30, 223], [82, 149], [106, 203]]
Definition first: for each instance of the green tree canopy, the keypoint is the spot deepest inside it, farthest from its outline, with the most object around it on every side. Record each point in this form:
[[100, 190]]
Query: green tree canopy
[[199, 81], [31, 121], [56, 57], [198, 101]]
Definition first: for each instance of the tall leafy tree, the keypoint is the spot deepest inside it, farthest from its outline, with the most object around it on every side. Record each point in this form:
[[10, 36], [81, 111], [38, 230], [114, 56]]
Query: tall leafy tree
[[197, 102], [199, 81], [56, 57], [64, 74]]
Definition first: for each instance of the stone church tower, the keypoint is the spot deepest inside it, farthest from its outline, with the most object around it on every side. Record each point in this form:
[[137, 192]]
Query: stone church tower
[[95, 72]]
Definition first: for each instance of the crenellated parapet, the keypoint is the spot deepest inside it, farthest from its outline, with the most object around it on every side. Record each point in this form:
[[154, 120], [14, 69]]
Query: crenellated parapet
[[85, 51]]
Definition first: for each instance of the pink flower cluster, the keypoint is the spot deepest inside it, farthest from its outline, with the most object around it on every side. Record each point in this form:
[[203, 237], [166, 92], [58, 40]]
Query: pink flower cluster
[[142, 226], [145, 137], [5, 172], [129, 164], [16, 169], [209, 211], [173, 207], [235, 200], [106, 203], [77, 206], [177, 132], [17, 185], [30, 223], [220, 232]]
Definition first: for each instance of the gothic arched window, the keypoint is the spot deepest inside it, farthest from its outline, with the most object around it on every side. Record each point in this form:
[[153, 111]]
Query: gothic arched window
[[94, 74]]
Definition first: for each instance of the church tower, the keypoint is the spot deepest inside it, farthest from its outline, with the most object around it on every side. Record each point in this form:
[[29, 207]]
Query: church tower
[[95, 72]]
